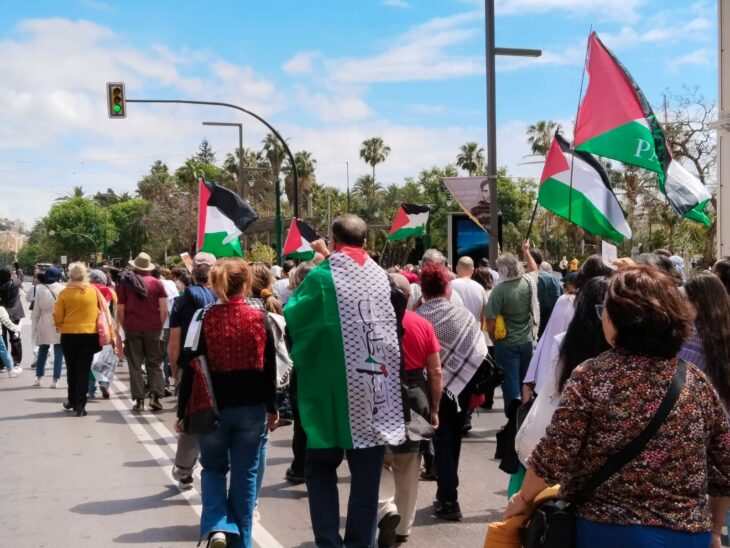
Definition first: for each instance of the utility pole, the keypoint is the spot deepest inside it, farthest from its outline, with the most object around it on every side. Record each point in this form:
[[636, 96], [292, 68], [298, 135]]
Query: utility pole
[[491, 53]]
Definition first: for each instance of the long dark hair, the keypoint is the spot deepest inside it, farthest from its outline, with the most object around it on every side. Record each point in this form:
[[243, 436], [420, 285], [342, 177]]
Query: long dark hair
[[707, 293], [593, 267], [722, 270], [584, 338]]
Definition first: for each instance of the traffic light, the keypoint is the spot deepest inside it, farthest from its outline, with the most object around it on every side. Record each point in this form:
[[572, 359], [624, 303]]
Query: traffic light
[[116, 101]]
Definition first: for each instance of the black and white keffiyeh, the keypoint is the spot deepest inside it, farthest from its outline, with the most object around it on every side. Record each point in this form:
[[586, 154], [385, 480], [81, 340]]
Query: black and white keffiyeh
[[463, 347]]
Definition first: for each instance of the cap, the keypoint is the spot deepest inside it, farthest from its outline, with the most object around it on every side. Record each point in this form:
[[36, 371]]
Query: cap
[[203, 258]]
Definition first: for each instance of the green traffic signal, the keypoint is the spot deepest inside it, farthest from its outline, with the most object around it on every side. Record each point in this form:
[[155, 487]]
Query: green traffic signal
[[117, 108], [116, 102]]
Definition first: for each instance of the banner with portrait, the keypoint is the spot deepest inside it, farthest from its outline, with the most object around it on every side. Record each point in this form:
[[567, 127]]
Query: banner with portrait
[[472, 195]]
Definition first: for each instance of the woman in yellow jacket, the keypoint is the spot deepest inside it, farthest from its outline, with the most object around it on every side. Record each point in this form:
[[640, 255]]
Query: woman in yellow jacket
[[75, 316]]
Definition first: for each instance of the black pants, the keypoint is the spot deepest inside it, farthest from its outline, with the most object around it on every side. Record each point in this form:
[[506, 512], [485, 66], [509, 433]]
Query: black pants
[[14, 344], [79, 350], [299, 441], [447, 445]]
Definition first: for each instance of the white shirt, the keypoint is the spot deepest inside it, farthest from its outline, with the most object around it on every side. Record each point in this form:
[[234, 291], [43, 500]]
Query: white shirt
[[172, 294], [472, 295], [282, 290]]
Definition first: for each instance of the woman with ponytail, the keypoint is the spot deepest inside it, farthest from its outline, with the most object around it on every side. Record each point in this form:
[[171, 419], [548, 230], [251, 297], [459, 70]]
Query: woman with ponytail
[[262, 290]]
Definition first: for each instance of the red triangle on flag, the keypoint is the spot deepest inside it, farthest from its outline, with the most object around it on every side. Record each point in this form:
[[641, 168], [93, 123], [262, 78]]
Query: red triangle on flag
[[204, 196], [608, 85], [555, 163], [401, 220], [293, 239]]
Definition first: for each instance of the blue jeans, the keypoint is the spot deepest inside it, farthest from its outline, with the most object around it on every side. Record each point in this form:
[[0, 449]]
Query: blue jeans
[[40, 364], [589, 534], [515, 360], [236, 446], [5, 357], [262, 463], [320, 472]]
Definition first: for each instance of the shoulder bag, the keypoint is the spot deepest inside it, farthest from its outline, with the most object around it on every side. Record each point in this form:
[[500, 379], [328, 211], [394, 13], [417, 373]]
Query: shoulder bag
[[103, 321], [552, 523]]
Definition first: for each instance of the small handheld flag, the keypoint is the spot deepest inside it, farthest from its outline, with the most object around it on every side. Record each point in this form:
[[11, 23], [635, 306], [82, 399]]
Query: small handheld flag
[[299, 240], [222, 218], [411, 220]]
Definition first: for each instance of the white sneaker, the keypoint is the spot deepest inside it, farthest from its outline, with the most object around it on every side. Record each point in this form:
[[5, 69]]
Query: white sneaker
[[217, 540], [15, 372], [54, 383], [37, 381]]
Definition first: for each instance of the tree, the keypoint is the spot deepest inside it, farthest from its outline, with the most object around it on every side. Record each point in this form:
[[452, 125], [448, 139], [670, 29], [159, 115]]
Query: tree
[[107, 198], [76, 192], [128, 217], [187, 176], [540, 136], [471, 158], [374, 151], [80, 227], [205, 154], [157, 184], [274, 152], [306, 166], [438, 196]]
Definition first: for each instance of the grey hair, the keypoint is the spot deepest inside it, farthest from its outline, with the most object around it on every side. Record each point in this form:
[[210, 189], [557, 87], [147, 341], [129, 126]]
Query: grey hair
[[297, 275], [433, 256], [546, 266], [97, 276], [509, 267]]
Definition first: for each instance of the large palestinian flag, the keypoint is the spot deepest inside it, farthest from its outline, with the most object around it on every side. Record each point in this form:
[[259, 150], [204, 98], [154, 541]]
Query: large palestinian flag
[[575, 186], [222, 218], [299, 240], [411, 220], [616, 121], [346, 354]]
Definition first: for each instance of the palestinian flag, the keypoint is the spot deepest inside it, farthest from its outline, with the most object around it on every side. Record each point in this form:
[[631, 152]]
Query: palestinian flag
[[591, 203], [298, 241], [410, 220], [346, 354], [616, 121], [222, 218]]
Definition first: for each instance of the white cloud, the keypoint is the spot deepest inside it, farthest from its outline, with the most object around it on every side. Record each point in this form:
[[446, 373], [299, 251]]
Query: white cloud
[[625, 10], [701, 57], [334, 108], [418, 54], [396, 3], [301, 63], [422, 108]]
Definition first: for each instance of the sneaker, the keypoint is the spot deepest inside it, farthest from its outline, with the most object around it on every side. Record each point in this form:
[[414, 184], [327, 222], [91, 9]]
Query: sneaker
[[15, 372], [104, 392], [256, 515], [37, 381], [293, 478], [155, 403], [185, 483], [138, 405], [401, 539], [449, 511], [217, 540], [54, 383], [386, 527]]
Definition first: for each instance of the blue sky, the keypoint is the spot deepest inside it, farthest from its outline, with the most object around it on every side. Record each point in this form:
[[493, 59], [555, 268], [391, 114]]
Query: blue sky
[[327, 73]]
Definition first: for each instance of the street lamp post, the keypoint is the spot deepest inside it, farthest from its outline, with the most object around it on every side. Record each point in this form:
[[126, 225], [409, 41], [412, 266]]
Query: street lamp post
[[491, 53], [241, 186]]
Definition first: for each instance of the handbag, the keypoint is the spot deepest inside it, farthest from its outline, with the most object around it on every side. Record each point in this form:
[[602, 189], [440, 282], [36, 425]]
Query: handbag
[[201, 412], [488, 376], [103, 321], [552, 523]]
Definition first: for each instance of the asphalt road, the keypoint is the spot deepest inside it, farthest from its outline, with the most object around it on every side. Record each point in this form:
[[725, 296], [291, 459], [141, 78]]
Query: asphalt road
[[104, 480]]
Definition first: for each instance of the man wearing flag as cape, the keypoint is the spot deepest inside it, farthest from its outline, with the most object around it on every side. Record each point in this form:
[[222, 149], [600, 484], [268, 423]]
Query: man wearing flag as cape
[[345, 339]]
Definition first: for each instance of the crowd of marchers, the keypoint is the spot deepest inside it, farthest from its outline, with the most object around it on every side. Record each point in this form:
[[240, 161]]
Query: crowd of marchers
[[384, 369]]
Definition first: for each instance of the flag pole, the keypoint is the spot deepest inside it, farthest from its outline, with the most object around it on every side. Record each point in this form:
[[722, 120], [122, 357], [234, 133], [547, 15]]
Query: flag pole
[[575, 125], [382, 255], [532, 220]]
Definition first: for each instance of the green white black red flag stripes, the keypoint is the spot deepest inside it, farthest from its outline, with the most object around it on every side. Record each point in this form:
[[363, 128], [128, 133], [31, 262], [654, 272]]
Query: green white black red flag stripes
[[590, 204], [346, 354], [299, 240], [411, 220], [222, 218], [616, 121]]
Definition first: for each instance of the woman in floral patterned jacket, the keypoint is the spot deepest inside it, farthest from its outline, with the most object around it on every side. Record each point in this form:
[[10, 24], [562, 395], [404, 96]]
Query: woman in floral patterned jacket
[[675, 493]]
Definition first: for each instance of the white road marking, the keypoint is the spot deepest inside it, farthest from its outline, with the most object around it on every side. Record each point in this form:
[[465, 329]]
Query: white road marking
[[260, 535]]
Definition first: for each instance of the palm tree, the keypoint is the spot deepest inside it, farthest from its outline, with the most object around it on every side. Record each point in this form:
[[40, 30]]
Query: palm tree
[[374, 151], [76, 192], [274, 152], [540, 136], [370, 191], [306, 166], [471, 158], [188, 175], [157, 184]]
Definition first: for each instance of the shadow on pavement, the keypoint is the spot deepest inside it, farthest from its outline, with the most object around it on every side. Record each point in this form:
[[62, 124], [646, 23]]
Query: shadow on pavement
[[174, 533], [424, 517], [121, 506], [284, 490], [141, 463]]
